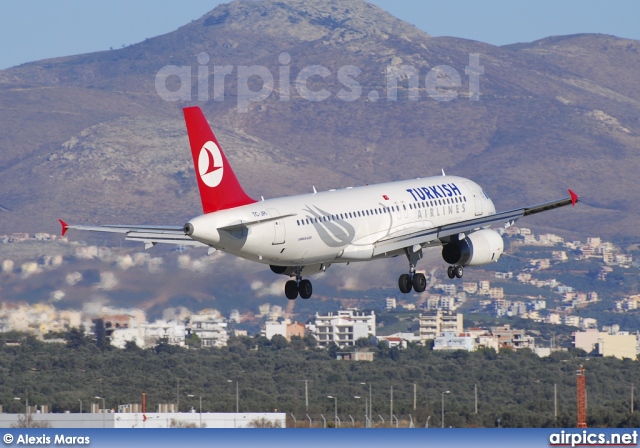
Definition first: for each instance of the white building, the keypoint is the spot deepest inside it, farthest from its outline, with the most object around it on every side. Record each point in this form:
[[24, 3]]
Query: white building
[[436, 323], [170, 332], [399, 339], [285, 328], [454, 341], [343, 328], [149, 420], [621, 344], [572, 321], [391, 303], [210, 328]]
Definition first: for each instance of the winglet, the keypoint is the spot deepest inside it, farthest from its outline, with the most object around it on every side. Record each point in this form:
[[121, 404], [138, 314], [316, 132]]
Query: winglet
[[574, 198], [65, 226]]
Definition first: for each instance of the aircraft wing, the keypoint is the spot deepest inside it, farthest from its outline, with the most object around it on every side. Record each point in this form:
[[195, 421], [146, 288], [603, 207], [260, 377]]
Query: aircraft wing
[[508, 218], [149, 235]]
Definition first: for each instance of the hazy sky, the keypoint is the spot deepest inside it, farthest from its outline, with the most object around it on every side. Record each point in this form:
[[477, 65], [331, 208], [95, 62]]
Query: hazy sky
[[38, 29]]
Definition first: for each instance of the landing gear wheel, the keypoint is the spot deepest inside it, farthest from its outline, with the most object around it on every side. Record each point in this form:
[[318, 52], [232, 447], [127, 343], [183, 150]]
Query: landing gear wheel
[[291, 290], [459, 270], [419, 282], [451, 272], [404, 283], [305, 289]]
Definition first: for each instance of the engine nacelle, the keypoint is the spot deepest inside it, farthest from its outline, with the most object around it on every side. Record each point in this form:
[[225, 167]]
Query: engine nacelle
[[478, 248], [284, 270]]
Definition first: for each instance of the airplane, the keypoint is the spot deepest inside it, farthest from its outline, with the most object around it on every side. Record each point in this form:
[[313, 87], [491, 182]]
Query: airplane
[[299, 236]]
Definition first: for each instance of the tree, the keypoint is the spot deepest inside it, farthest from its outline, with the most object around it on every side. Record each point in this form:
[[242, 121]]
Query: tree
[[193, 341], [310, 340], [297, 343], [164, 347], [131, 346], [102, 338], [75, 338], [261, 342], [278, 342], [333, 350]]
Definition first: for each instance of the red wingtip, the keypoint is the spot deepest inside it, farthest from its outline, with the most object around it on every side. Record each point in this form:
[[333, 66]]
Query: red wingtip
[[64, 226], [574, 198]]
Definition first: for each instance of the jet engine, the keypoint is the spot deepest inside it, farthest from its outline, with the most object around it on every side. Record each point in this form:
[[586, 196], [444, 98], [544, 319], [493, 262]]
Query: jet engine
[[478, 248], [284, 270]]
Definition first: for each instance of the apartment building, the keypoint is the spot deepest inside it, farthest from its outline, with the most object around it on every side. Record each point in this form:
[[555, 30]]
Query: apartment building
[[343, 328], [619, 344], [210, 328], [435, 323], [511, 338], [286, 328]]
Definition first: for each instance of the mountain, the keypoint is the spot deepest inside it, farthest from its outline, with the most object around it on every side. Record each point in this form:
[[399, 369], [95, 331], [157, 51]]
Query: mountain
[[89, 138]]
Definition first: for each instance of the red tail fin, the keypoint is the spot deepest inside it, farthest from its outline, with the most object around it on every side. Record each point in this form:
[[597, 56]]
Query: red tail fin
[[219, 187]]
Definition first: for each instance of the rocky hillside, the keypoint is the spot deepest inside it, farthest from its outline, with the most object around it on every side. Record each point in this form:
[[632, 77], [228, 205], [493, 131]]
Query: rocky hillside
[[89, 138]]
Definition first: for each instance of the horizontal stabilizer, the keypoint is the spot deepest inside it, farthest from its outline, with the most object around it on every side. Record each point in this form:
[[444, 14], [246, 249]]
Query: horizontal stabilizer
[[167, 238], [149, 235]]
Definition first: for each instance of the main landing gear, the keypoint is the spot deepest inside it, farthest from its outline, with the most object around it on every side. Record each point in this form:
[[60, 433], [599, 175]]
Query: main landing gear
[[412, 280], [298, 286], [455, 271]]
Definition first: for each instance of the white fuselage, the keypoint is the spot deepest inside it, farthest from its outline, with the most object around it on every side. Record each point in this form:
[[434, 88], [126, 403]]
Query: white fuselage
[[340, 225]]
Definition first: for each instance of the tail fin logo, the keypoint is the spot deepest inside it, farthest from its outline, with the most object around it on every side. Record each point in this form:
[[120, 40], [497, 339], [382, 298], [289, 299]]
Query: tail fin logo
[[210, 164]]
